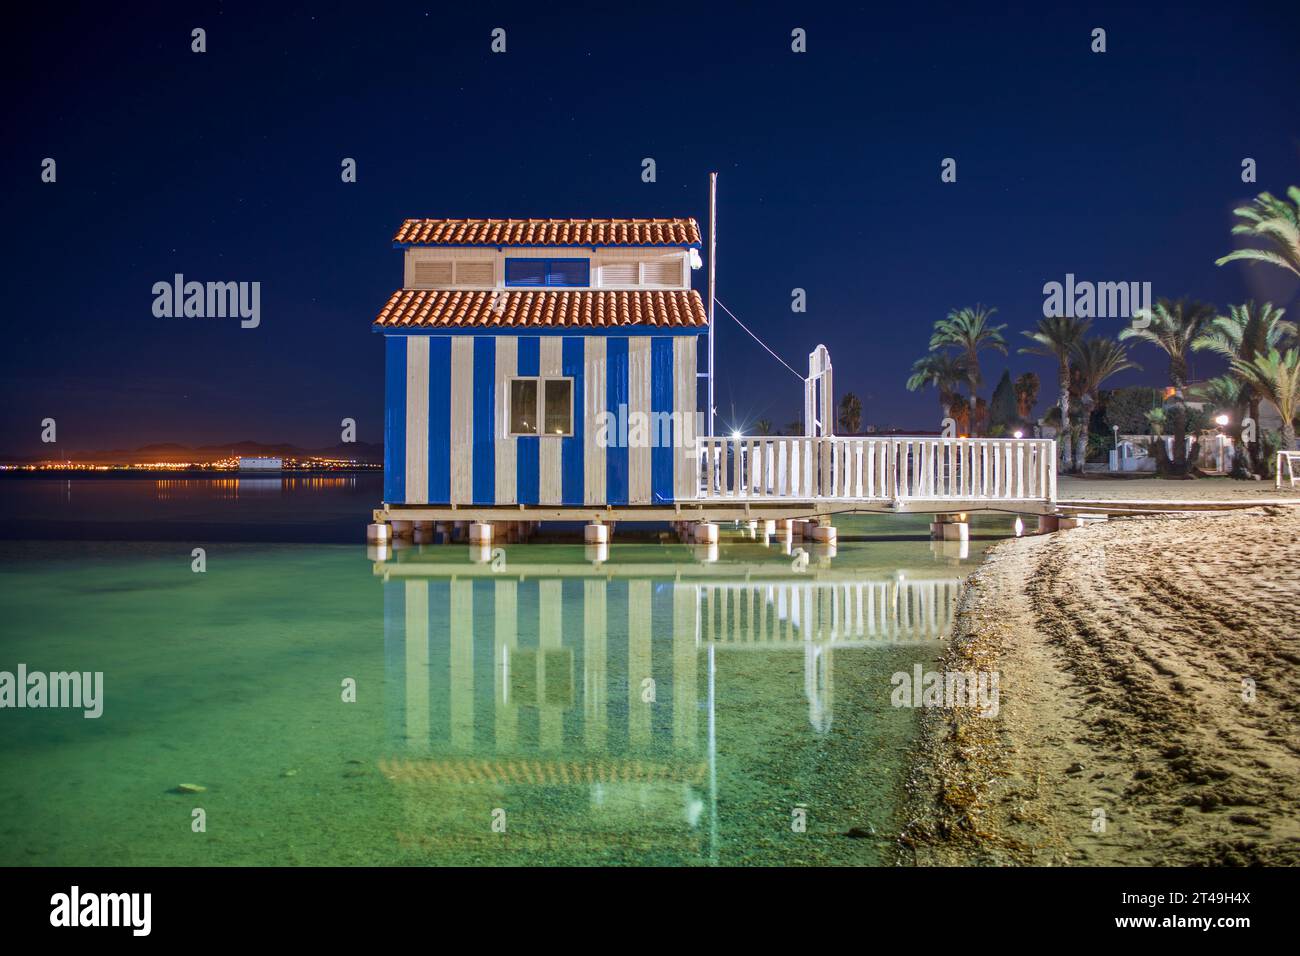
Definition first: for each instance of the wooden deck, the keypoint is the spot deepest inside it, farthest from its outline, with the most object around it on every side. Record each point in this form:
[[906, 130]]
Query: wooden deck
[[747, 478]]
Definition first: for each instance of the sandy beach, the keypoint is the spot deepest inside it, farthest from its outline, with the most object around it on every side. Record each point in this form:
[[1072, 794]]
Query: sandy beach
[[1150, 488], [1150, 695]]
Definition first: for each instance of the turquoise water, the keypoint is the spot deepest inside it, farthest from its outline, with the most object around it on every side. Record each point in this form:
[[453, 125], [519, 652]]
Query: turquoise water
[[665, 705]]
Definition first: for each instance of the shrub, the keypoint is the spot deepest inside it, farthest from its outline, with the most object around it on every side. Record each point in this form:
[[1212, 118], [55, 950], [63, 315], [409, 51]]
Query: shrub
[[1127, 408]]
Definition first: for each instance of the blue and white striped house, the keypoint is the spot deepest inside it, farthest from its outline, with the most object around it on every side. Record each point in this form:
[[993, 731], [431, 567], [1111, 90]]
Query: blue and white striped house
[[520, 354]]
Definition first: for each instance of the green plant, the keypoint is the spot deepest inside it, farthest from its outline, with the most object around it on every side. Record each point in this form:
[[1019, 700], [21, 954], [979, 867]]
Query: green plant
[[1277, 377], [1095, 360], [1127, 407], [850, 416], [1247, 331], [943, 372], [1274, 221], [1056, 336], [968, 331], [1026, 395], [1003, 410], [1172, 326]]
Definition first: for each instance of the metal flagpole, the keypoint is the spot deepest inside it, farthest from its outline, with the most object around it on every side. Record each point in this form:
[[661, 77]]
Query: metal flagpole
[[713, 280]]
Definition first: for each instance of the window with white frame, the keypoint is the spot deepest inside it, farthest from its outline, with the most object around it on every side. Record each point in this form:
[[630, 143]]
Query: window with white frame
[[540, 406]]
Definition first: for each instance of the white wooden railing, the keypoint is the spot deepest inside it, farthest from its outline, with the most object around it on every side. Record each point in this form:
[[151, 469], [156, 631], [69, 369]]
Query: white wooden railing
[[1291, 460], [877, 469]]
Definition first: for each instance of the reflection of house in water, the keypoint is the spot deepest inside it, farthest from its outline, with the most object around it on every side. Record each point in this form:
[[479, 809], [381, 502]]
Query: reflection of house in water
[[599, 683]]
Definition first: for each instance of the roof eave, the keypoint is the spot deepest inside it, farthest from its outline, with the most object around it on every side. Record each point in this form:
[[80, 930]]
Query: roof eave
[[547, 245]]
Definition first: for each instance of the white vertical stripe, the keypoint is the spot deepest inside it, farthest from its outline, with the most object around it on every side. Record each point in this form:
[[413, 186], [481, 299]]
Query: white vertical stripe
[[417, 419], [638, 410], [461, 616], [550, 479], [417, 664], [506, 473], [639, 662], [685, 404], [593, 403], [462, 419], [685, 653], [594, 665], [507, 639]]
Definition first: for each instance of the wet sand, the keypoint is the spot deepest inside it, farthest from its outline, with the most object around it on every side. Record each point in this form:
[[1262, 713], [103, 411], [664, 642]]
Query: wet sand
[[1150, 488], [1124, 735]]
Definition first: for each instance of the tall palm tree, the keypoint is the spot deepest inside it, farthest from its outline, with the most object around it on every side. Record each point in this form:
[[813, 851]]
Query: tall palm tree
[[1172, 327], [1245, 332], [1026, 389], [968, 330], [1277, 376], [1056, 336], [1275, 222], [941, 371], [1096, 358]]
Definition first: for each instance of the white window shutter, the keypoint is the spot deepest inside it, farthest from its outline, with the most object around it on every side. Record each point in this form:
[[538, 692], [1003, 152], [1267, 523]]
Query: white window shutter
[[662, 272], [618, 273], [475, 273], [432, 273]]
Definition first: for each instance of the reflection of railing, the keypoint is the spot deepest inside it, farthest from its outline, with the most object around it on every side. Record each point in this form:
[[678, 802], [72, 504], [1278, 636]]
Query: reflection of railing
[[877, 469], [837, 614], [1292, 461]]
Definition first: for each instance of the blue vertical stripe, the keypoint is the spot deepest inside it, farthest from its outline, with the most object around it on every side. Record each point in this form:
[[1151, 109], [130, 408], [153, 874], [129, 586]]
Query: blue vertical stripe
[[526, 449], [572, 449], [616, 393], [439, 661], [395, 419], [484, 410], [395, 659], [439, 419], [661, 407]]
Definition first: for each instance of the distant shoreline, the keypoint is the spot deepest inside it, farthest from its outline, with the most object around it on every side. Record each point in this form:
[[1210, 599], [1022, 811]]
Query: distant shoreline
[[197, 472]]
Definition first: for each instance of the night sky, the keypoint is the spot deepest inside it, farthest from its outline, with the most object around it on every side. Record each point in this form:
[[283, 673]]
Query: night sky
[[225, 166]]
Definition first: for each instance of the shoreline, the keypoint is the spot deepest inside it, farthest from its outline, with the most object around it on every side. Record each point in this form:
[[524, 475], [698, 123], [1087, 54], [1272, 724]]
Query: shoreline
[[1122, 649]]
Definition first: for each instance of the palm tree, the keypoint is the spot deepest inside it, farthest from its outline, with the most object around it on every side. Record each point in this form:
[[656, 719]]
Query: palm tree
[[1096, 359], [1228, 393], [1172, 327], [850, 414], [763, 426], [1273, 221], [941, 371], [1026, 389], [969, 330], [1222, 391], [1245, 332], [1277, 377], [1056, 336]]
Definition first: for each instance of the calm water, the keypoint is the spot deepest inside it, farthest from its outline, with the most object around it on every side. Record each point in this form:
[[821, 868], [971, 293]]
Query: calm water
[[667, 705]]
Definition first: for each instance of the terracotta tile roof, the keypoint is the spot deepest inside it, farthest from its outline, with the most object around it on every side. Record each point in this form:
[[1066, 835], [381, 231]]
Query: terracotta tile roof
[[548, 232], [459, 308]]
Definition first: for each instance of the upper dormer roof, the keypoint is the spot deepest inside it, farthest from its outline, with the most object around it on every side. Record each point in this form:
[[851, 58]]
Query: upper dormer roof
[[548, 232]]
